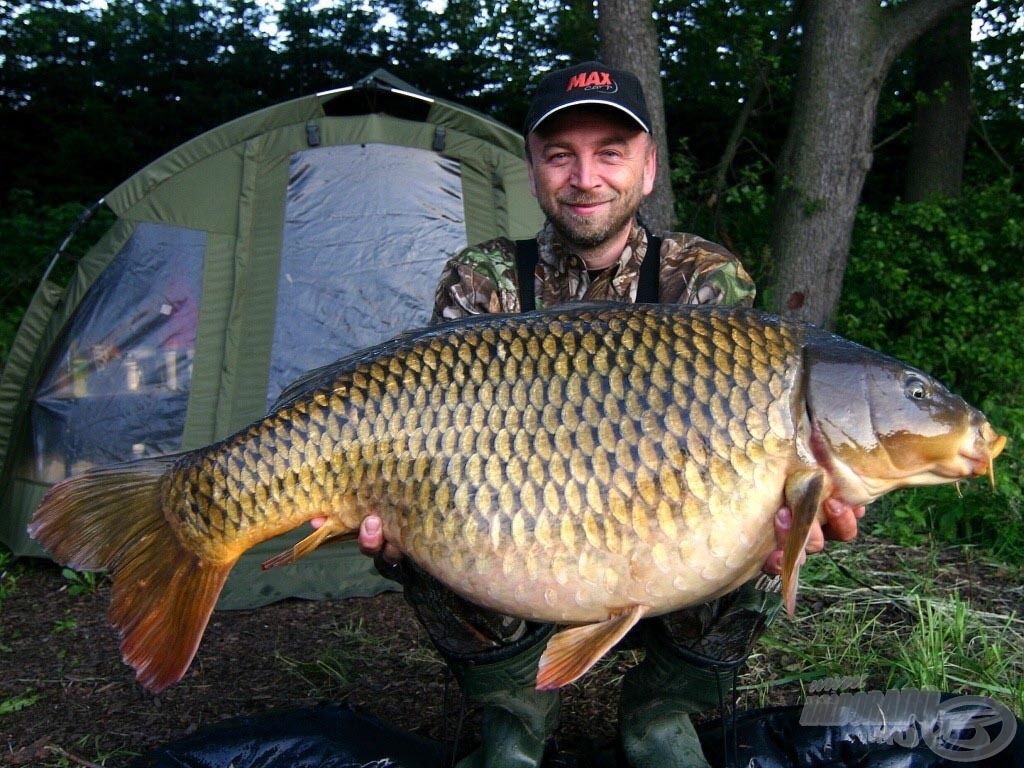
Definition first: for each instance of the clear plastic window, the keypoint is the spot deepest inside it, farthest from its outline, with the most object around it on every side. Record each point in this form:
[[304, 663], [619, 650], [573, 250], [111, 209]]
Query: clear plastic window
[[117, 385], [367, 231]]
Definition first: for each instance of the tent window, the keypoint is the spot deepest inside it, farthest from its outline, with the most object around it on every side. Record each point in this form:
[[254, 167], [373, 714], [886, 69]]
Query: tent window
[[117, 386], [367, 230]]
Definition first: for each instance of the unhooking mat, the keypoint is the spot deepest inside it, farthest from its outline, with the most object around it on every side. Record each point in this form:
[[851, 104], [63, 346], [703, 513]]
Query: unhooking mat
[[962, 730]]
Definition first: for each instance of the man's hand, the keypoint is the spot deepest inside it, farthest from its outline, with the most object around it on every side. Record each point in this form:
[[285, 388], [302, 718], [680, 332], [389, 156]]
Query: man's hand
[[371, 541], [840, 526]]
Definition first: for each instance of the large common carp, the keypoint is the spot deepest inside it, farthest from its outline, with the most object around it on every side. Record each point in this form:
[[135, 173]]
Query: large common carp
[[584, 465]]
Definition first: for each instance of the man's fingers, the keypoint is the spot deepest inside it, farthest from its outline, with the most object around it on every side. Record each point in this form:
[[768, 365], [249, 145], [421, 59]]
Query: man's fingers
[[842, 520], [371, 541], [816, 539], [783, 524], [392, 554], [371, 536]]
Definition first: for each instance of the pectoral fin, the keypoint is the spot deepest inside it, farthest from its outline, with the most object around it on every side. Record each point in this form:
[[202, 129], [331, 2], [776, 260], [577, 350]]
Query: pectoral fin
[[329, 530], [805, 495], [572, 652]]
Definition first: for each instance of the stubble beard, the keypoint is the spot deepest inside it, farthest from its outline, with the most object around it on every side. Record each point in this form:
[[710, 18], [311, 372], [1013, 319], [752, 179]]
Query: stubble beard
[[583, 232]]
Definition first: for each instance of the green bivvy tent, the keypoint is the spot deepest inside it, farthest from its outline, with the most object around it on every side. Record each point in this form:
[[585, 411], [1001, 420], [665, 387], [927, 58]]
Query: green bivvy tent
[[266, 247]]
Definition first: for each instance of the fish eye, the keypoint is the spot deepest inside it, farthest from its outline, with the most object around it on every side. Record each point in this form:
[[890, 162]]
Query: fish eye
[[915, 387]]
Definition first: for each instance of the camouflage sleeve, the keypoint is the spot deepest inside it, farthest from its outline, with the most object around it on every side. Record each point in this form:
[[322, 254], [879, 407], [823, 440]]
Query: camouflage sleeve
[[697, 271], [480, 279]]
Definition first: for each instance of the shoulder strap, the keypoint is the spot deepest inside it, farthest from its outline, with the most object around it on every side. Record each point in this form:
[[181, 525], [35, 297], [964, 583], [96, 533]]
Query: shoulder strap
[[527, 255], [648, 288]]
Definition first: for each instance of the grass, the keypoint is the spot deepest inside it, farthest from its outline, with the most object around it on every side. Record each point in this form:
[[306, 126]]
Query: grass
[[898, 618], [330, 673], [19, 702], [82, 582], [8, 575]]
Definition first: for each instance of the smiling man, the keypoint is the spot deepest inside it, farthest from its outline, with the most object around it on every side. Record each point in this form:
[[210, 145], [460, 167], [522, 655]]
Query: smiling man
[[590, 171], [591, 161]]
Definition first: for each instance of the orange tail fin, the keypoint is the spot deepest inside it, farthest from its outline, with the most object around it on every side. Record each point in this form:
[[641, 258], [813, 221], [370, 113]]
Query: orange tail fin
[[111, 519]]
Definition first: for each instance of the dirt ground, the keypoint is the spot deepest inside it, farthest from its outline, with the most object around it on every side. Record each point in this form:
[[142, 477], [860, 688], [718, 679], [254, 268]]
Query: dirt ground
[[82, 705], [66, 699]]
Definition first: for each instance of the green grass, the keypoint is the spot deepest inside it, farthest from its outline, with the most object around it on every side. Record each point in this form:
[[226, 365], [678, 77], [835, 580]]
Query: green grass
[[332, 672], [952, 647], [19, 702], [82, 582], [903, 618], [8, 574]]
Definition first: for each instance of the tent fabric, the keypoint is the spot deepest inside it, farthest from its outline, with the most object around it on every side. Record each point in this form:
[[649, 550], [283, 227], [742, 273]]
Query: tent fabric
[[271, 245]]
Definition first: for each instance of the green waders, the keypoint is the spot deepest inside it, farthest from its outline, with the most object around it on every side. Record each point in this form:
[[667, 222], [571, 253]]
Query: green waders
[[683, 675], [690, 663], [494, 659], [517, 719]]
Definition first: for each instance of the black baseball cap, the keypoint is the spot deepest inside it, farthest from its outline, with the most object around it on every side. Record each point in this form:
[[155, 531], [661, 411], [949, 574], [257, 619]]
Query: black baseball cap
[[588, 83]]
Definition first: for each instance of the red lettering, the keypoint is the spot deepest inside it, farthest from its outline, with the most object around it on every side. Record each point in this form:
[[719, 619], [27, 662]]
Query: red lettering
[[590, 80], [577, 81]]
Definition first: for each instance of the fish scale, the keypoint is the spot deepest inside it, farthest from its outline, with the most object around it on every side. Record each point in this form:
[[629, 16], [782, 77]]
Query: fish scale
[[486, 509], [584, 465]]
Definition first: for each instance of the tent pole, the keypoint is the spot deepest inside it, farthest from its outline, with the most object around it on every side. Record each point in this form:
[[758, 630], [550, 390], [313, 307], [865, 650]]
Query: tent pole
[[83, 218]]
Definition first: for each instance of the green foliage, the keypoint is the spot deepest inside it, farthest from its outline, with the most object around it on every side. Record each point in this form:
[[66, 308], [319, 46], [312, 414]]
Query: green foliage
[[335, 669], [948, 648], [29, 235], [82, 582], [922, 616], [8, 579], [18, 703], [940, 284]]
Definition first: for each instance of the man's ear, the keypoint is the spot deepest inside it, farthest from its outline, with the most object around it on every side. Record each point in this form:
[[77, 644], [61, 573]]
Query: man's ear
[[529, 168], [533, 183], [650, 165]]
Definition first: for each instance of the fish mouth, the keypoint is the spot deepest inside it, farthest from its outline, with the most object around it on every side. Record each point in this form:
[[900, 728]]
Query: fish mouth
[[979, 456]]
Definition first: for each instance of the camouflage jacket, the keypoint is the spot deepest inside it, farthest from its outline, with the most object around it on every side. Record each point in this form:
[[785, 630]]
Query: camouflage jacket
[[481, 279]]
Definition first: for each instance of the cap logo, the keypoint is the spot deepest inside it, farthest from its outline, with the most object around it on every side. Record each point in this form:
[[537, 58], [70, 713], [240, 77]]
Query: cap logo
[[596, 80]]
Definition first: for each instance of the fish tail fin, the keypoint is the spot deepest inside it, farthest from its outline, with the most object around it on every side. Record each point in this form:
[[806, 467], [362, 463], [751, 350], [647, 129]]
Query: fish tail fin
[[805, 495], [112, 519]]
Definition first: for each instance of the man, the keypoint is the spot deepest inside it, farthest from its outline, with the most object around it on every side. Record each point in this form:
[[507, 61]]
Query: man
[[591, 161]]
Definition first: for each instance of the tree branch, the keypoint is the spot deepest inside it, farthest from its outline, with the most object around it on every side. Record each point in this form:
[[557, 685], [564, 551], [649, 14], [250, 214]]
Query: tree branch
[[749, 103], [902, 25]]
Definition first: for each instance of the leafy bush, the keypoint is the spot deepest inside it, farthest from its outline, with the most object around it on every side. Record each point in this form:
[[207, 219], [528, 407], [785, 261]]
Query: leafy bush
[[940, 284]]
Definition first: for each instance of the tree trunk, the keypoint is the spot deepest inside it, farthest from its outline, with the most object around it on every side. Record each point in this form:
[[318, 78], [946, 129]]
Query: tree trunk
[[848, 47], [629, 40], [943, 80]]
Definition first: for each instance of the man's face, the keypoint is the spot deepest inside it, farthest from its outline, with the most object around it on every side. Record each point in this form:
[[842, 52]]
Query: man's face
[[590, 169]]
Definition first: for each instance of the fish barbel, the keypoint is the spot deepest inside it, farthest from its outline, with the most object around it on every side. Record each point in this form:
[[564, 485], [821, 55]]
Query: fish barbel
[[584, 465]]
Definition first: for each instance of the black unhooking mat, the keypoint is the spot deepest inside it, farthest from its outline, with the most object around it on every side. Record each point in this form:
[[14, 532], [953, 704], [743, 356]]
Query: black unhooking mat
[[335, 736]]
